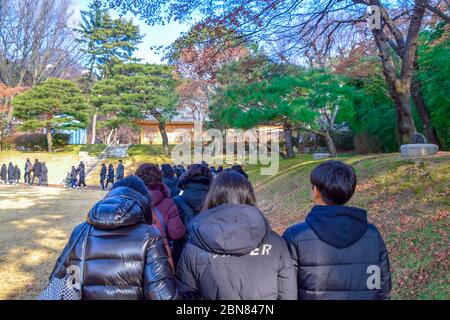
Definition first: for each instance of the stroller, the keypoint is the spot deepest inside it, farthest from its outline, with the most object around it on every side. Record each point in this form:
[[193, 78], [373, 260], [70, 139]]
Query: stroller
[[67, 182]]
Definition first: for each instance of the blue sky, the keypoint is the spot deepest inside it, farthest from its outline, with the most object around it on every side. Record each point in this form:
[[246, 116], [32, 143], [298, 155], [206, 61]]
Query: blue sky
[[154, 36]]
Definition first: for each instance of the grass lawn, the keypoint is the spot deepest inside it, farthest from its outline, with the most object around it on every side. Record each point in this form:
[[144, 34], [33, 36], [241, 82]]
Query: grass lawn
[[407, 200], [138, 154]]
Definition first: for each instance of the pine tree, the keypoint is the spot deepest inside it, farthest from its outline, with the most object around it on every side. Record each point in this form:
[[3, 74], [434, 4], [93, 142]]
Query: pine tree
[[55, 104], [106, 42], [136, 90]]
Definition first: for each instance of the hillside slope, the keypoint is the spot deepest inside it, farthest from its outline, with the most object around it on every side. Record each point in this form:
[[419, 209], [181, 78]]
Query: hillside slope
[[407, 200]]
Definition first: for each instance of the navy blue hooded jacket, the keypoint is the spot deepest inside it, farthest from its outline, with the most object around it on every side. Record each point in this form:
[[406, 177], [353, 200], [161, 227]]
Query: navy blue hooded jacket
[[339, 255]]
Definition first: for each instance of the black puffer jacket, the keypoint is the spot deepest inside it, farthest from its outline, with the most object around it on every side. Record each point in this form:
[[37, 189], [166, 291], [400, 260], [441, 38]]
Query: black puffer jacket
[[232, 253], [172, 184], [194, 194], [125, 257], [336, 252]]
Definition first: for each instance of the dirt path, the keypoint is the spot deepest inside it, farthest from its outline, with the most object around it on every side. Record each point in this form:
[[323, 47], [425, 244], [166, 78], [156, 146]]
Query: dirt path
[[35, 224]]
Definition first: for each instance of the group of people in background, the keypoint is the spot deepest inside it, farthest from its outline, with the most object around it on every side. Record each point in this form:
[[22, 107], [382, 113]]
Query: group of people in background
[[109, 176], [34, 173], [76, 178], [200, 235]]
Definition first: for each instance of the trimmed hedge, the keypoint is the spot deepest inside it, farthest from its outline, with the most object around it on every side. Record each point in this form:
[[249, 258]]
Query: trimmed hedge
[[38, 141]]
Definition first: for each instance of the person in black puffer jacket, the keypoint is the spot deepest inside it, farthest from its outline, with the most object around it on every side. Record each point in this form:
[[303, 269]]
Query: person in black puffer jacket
[[125, 256], [195, 183], [232, 253], [170, 179], [338, 254]]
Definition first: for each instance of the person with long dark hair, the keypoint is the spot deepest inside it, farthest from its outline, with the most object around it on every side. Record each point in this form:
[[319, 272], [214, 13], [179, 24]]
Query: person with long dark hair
[[232, 252], [194, 183]]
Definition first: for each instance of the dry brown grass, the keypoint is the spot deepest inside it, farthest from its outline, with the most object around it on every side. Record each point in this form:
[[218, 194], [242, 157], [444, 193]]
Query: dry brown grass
[[35, 224]]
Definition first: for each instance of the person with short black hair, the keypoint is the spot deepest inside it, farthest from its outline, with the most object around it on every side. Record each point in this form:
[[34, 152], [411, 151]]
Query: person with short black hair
[[120, 171], [232, 252], [337, 253], [81, 175], [240, 169], [27, 171]]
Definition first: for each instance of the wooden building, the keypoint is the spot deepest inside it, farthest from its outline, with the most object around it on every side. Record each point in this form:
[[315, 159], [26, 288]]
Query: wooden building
[[150, 133]]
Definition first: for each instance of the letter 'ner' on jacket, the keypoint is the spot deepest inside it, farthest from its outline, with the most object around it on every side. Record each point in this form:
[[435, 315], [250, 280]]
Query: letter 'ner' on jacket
[[232, 253]]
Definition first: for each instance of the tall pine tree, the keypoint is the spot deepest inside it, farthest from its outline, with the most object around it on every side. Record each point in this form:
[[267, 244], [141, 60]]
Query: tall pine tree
[[106, 42]]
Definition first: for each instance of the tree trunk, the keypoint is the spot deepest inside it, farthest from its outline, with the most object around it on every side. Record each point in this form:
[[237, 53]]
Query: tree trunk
[[165, 139], [115, 137], [108, 139], [330, 144], [419, 102], [94, 127], [49, 139], [428, 129], [400, 86], [288, 140], [405, 122]]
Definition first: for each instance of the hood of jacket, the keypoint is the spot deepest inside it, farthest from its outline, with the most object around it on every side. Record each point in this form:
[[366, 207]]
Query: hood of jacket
[[229, 229], [185, 182], [339, 226], [194, 194], [121, 207]]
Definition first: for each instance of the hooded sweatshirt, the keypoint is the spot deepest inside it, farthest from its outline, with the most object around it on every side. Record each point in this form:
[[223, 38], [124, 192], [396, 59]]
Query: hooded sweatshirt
[[335, 252], [190, 202], [232, 253]]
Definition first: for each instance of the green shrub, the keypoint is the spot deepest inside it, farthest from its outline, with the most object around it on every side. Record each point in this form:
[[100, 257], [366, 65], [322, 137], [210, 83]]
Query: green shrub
[[38, 141]]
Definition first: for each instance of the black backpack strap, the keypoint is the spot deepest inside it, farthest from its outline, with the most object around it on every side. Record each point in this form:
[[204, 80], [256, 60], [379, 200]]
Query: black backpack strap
[[67, 252]]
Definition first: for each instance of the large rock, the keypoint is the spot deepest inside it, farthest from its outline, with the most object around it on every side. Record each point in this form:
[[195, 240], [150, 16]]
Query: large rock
[[418, 150], [318, 156]]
